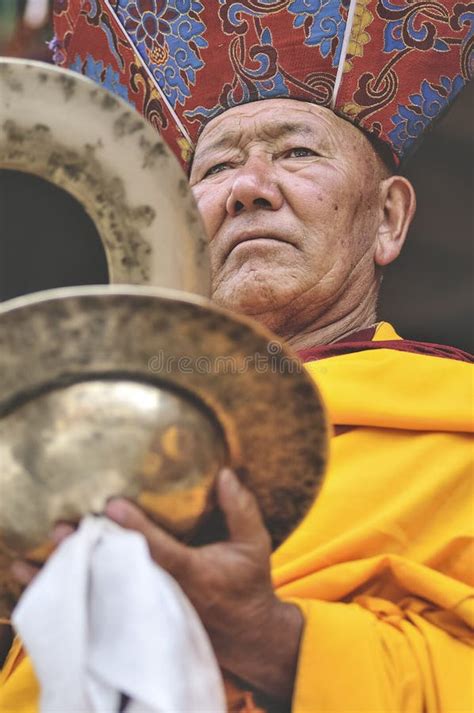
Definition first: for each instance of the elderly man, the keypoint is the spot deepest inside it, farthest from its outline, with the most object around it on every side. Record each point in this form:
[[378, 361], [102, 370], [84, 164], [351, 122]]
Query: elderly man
[[370, 606], [301, 215]]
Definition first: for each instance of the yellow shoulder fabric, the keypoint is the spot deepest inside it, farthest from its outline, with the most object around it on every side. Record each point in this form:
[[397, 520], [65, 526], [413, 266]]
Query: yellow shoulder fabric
[[19, 689], [382, 567]]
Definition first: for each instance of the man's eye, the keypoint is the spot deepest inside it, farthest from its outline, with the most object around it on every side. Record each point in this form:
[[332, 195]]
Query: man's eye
[[216, 169], [300, 152]]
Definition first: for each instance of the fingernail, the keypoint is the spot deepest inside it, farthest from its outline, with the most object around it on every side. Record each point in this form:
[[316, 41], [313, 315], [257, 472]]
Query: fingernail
[[117, 510], [229, 480], [21, 572], [60, 532]]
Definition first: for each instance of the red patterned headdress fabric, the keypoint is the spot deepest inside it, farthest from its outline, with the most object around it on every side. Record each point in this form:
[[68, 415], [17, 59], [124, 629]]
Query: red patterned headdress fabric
[[389, 66]]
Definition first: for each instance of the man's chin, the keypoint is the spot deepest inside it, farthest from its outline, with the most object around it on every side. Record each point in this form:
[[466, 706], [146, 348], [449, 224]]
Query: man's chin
[[263, 305], [235, 301]]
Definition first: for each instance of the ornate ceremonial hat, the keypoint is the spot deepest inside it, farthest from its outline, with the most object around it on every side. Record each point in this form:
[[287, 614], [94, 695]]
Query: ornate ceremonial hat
[[389, 66]]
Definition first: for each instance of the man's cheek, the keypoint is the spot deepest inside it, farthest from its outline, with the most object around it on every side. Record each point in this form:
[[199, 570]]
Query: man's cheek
[[212, 212]]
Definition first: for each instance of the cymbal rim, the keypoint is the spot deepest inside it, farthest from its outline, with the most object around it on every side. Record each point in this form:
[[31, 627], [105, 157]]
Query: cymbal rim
[[274, 421], [63, 128]]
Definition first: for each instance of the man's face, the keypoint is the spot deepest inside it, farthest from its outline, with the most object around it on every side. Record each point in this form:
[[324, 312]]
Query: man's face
[[289, 196]]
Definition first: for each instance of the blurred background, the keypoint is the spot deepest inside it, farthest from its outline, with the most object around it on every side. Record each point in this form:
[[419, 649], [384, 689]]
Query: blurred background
[[25, 28], [427, 293]]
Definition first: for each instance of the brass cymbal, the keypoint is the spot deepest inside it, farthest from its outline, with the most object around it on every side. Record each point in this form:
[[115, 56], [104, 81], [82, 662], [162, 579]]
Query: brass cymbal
[[147, 393], [72, 133]]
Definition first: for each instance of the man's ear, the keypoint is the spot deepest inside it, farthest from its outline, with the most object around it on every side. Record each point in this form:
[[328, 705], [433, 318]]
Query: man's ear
[[398, 204]]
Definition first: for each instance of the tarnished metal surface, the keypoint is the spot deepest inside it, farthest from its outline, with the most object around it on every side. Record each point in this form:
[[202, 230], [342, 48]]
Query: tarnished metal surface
[[62, 127], [65, 452], [110, 390]]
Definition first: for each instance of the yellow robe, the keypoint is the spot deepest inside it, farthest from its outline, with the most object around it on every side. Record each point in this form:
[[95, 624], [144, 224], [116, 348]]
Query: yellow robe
[[382, 566]]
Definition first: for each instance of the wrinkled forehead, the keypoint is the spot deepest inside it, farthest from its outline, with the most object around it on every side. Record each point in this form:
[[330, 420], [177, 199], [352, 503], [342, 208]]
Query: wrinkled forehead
[[275, 118]]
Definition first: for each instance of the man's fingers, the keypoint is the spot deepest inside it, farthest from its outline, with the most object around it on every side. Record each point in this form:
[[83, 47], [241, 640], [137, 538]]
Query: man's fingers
[[164, 549], [60, 532], [23, 572], [241, 510]]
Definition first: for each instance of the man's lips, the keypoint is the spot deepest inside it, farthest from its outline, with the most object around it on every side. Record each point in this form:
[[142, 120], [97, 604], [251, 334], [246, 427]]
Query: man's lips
[[257, 235]]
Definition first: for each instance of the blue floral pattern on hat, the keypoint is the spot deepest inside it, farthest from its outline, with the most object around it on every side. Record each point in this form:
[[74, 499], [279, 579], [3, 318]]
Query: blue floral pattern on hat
[[323, 25], [411, 121], [169, 36], [104, 75]]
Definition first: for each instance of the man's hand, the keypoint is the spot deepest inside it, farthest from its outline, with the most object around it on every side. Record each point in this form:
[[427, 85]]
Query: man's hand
[[255, 636]]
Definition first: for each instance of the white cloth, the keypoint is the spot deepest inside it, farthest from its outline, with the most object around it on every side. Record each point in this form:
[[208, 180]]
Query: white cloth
[[102, 619]]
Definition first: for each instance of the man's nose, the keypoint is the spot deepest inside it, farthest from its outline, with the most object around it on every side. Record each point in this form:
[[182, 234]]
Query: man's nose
[[254, 188]]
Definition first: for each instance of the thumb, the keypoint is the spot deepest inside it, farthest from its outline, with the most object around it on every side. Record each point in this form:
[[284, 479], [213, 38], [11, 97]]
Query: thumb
[[241, 511]]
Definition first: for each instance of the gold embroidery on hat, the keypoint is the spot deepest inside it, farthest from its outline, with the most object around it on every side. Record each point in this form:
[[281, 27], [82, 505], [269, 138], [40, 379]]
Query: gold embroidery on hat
[[359, 37], [159, 54]]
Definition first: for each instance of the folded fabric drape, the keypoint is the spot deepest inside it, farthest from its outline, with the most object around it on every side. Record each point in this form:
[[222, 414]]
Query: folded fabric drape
[[102, 621]]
